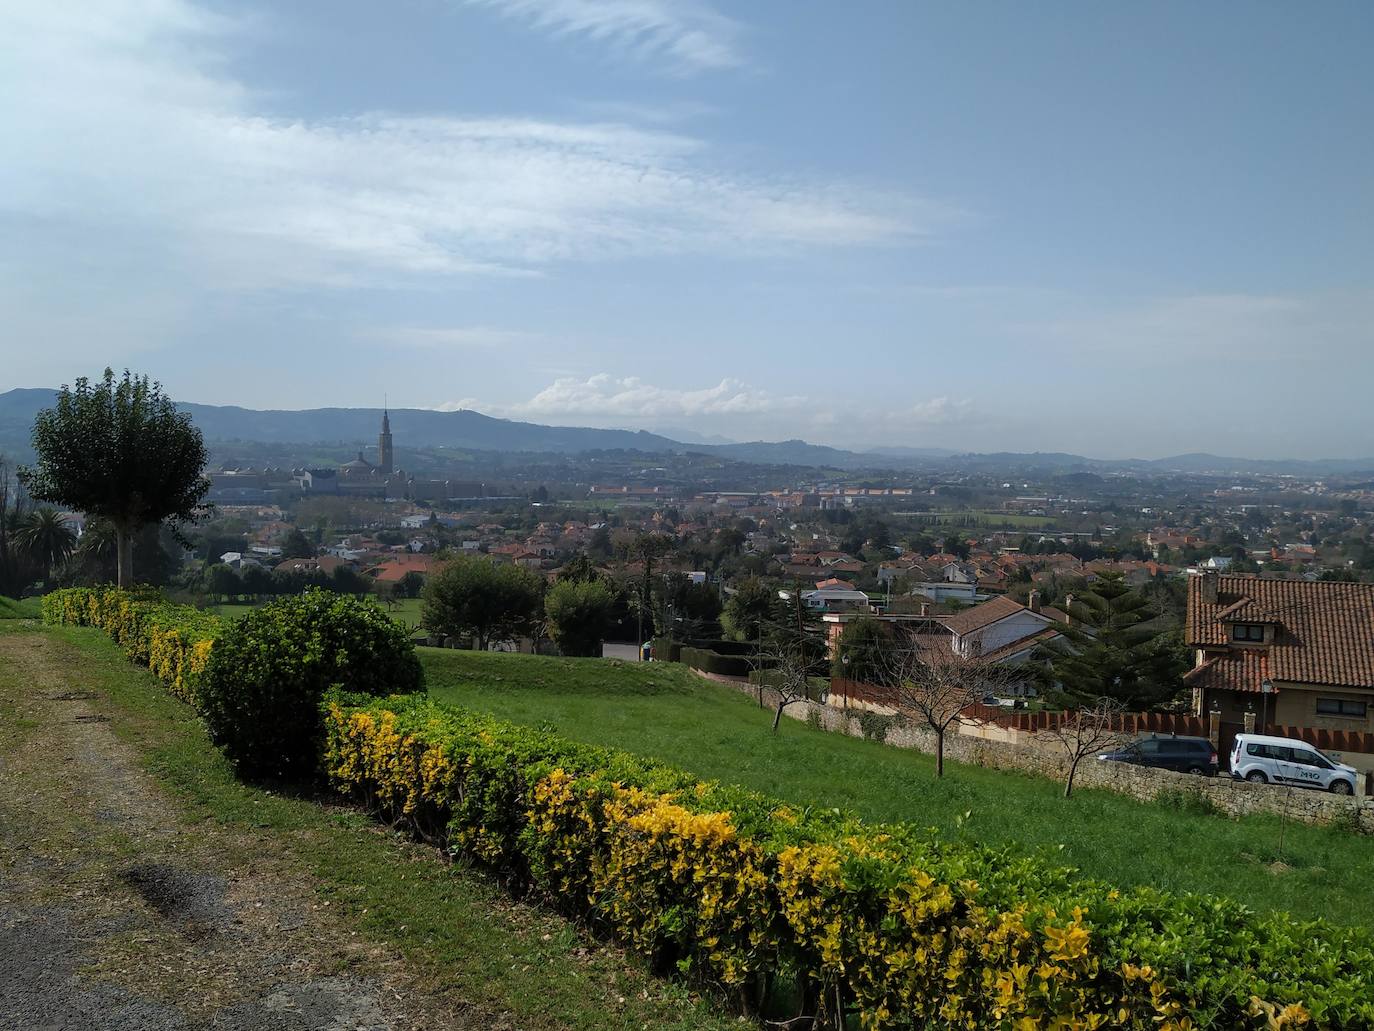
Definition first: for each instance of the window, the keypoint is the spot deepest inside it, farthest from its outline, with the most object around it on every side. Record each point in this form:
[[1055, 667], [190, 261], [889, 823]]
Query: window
[[1180, 746], [1149, 747], [1270, 752], [1247, 632], [1342, 707]]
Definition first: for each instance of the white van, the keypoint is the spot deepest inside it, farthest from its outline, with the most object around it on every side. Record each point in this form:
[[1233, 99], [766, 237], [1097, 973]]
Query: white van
[[1283, 760]]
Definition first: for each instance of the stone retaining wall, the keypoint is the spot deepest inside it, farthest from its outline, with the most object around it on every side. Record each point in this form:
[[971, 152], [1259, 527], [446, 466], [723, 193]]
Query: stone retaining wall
[[1231, 797]]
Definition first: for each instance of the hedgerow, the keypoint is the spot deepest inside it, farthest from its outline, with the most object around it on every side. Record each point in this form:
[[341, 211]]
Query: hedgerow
[[174, 641], [741, 889], [269, 671]]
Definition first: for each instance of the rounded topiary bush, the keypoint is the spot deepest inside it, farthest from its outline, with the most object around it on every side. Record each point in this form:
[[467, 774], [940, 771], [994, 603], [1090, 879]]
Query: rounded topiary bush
[[267, 674]]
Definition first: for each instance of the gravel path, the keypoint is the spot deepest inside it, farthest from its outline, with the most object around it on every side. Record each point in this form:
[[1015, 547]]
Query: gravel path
[[115, 915]]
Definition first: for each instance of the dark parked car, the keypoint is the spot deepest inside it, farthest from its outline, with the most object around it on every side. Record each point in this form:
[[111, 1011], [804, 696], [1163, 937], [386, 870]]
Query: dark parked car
[[1183, 754]]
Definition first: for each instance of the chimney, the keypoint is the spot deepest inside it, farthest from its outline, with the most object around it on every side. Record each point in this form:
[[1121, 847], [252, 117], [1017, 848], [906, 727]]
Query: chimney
[[1033, 602], [1209, 586], [1068, 610]]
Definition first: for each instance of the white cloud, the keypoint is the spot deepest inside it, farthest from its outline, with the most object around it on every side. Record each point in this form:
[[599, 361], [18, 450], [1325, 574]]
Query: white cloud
[[604, 396], [145, 136], [736, 409], [683, 35], [938, 411]]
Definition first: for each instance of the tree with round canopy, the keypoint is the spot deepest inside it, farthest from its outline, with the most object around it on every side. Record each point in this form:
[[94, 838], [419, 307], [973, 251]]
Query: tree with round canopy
[[122, 451]]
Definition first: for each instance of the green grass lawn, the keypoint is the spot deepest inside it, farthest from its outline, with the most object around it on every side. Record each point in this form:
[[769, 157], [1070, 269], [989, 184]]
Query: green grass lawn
[[26, 608], [407, 610], [663, 710]]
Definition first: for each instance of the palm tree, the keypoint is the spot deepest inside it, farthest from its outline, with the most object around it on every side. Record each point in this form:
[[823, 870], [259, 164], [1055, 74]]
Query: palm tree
[[47, 539]]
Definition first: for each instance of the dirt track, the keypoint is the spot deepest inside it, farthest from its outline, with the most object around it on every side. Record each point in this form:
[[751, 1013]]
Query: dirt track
[[117, 914]]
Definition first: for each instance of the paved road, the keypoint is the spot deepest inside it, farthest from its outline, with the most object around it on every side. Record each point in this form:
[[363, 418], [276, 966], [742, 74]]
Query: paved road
[[628, 652]]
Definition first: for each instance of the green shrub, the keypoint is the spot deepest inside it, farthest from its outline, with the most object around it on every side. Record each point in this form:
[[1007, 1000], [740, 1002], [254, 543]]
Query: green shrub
[[579, 611], [875, 725], [261, 691], [744, 891], [712, 662], [174, 641]]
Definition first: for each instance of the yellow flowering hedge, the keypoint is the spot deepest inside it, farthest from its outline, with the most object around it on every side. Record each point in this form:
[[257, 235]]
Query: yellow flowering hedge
[[174, 641], [901, 930], [739, 890]]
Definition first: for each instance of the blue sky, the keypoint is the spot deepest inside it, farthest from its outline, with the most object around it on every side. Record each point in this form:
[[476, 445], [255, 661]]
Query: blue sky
[[1117, 229]]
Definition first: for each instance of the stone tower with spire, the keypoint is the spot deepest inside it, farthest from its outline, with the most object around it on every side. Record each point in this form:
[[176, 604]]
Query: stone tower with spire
[[384, 455]]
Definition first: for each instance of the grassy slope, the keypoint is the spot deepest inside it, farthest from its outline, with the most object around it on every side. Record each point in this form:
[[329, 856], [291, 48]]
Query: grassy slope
[[662, 710], [461, 931], [28, 608]]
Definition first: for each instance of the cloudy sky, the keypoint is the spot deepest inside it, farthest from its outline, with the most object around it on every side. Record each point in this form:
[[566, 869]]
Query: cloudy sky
[[1108, 228]]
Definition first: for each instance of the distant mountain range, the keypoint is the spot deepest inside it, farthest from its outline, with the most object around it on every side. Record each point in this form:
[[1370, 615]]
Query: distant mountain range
[[414, 427]]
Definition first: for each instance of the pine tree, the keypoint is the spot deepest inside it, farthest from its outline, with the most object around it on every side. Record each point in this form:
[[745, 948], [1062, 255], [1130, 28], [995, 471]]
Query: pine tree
[[1117, 646]]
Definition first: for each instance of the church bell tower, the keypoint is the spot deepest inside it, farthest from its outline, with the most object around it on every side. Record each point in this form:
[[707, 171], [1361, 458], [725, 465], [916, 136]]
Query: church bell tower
[[384, 455]]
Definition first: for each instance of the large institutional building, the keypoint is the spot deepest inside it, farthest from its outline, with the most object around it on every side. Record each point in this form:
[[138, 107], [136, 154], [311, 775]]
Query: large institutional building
[[385, 480]]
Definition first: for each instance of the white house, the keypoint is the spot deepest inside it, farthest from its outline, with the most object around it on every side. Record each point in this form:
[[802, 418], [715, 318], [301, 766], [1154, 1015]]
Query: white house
[[831, 599], [1003, 628], [944, 590]]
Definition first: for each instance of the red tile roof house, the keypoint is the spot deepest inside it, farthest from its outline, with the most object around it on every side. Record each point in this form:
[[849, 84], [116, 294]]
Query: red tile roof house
[[393, 569], [1282, 653], [835, 584], [1001, 631], [1004, 630]]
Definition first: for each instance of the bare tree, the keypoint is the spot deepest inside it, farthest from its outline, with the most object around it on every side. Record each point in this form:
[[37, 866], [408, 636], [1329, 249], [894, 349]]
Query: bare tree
[[1086, 731], [787, 669], [789, 677], [934, 685]]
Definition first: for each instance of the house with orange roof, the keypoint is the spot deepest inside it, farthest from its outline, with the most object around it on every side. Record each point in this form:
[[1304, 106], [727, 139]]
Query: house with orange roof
[[1285, 653], [394, 569]]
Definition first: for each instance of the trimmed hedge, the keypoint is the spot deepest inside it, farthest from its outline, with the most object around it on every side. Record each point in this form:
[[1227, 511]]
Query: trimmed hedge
[[713, 662], [667, 650], [174, 641], [269, 671], [742, 890]]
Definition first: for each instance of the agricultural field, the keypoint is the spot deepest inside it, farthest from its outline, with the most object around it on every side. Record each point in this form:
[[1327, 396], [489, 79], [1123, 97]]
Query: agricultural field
[[665, 711]]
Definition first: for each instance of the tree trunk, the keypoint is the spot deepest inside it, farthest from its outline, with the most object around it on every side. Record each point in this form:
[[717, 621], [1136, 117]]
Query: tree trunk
[[777, 716], [940, 752], [124, 556], [1068, 784]]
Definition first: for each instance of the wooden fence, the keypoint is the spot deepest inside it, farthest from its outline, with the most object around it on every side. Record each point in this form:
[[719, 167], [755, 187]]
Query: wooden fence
[[1127, 723]]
